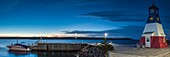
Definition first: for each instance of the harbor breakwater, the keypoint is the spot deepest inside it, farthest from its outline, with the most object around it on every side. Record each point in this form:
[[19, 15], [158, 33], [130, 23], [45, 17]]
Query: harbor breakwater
[[58, 47]]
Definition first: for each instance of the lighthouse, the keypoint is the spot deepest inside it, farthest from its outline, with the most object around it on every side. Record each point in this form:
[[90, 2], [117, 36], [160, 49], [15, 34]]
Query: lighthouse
[[153, 35]]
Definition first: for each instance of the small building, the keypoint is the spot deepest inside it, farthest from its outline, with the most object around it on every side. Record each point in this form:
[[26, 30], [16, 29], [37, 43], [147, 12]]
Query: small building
[[153, 35]]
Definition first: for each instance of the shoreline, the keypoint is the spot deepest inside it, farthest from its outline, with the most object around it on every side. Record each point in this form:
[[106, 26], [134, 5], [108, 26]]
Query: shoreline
[[64, 38]]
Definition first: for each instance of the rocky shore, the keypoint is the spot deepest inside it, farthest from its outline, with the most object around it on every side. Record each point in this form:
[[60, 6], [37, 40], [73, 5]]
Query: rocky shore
[[91, 51]]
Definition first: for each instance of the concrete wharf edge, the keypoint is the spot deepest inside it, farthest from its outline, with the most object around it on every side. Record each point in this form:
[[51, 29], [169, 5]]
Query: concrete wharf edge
[[58, 47]]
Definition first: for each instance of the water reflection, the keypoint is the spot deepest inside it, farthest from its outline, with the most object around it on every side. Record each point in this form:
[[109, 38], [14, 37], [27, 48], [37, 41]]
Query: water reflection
[[41, 54], [18, 52], [55, 54], [5, 53]]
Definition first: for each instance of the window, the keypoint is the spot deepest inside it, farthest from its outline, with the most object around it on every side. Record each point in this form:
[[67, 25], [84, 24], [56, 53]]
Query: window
[[152, 11], [157, 18], [164, 40], [151, 18], [156, 11]]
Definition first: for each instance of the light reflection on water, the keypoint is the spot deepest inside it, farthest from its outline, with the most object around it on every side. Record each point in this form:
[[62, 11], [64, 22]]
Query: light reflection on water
[[5, 53]]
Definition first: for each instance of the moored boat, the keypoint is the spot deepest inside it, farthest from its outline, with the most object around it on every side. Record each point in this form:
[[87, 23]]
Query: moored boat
[[19, 47]]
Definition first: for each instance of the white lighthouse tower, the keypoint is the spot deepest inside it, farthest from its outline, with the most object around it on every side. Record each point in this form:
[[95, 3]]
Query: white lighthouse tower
[[153, 35]]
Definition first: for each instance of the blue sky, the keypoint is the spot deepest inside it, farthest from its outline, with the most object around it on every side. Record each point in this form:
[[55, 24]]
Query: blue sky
[[119, 18]]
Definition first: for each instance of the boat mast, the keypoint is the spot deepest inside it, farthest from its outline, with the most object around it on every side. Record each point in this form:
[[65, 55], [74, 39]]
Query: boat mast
[[17, 39], [41, 39]]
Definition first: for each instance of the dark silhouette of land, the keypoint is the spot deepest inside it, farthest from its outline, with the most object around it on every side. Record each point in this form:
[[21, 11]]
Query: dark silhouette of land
[[64, 38]]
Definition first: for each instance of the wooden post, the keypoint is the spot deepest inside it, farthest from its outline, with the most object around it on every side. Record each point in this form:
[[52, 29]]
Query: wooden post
[[47, 47]]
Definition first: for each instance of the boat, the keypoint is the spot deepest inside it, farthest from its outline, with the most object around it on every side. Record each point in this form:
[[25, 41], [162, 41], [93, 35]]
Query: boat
[[19, 47]]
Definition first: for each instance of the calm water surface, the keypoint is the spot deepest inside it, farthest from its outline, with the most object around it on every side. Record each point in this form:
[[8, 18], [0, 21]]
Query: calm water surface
[[5, 53]]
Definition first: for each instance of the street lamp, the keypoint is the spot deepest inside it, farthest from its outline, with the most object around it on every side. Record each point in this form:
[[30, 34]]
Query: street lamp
[[105, 36], [75, 35]]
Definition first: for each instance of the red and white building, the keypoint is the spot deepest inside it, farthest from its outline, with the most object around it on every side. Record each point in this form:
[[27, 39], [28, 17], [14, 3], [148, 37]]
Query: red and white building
[[153, 35]]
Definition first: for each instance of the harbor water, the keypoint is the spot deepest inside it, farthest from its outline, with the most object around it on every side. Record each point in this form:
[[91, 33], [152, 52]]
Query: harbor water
[[5, 53]]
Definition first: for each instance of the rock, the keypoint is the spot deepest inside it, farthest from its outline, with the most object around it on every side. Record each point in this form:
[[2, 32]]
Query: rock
[[90, 51]]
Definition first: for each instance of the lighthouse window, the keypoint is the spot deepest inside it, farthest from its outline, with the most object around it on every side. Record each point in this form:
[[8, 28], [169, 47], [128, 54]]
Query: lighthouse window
[[151, 18], [156, 11], [147, 39], [152, 11], [157, 18]]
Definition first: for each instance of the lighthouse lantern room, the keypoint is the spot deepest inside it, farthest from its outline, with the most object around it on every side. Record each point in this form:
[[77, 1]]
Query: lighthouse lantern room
[[153, 35]]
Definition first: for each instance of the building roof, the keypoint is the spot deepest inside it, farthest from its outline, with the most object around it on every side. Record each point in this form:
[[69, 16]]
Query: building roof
[[153, 6]]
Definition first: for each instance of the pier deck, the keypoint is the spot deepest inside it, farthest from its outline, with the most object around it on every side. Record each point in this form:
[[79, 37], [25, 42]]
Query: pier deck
[[58, 46]]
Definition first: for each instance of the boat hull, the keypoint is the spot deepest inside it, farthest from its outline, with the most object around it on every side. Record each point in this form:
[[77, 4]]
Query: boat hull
[[18, 48]]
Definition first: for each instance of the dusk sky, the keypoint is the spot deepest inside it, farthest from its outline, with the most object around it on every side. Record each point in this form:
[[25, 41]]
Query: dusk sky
[[118, 18]]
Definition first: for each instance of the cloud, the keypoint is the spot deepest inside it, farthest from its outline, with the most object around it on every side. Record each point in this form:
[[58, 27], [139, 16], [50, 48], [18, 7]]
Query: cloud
[[62, 4], [13, 4], [123, 16], [81, 32], [133, 32], [126, 31], [9, 3], [120, 16]]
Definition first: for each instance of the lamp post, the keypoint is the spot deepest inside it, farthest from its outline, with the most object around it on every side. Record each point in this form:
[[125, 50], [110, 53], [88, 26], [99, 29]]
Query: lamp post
[[105, 36], [75, 35]]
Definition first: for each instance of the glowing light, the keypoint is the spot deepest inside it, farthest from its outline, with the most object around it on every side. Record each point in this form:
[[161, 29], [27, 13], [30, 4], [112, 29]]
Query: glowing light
[[151, 18], [157, 18], [105, 34]]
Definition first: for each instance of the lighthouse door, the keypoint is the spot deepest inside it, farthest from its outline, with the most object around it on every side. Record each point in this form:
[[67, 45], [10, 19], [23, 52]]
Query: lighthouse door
[[147, 40]]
